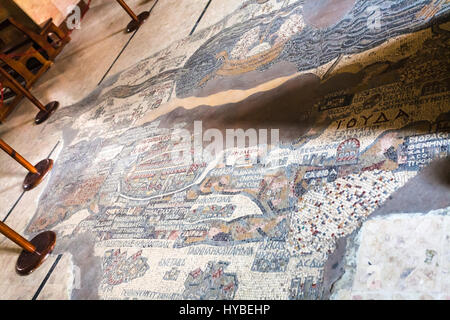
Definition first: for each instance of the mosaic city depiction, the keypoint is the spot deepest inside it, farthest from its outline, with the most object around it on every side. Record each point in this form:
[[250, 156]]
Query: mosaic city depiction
[[362, 107]]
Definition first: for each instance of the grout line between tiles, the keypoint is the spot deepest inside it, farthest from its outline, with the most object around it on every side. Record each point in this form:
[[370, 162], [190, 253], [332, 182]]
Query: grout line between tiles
[[200, 18], [49, 273], [124, 47], [13, 207], [117, 58]]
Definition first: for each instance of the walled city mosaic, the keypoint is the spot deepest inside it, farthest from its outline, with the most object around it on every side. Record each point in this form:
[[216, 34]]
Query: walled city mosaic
[[377, 108]]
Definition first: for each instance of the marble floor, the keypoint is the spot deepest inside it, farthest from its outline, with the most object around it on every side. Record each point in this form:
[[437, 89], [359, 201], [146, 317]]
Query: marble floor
[[115, 89]]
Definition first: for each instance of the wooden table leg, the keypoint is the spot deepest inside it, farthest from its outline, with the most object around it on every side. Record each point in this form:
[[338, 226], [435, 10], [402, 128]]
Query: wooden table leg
[[137, 20], [34, 252], [36, 173], [46, 111]]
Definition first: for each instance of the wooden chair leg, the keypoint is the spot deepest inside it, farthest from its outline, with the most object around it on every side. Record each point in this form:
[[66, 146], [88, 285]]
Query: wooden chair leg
[[34, 252], [35, 173], [137, 20], [45, 111]]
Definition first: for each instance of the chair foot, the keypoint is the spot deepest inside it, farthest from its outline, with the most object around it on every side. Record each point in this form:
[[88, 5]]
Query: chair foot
[[34, 179], [44, 115], [134, 25], [28, 262]]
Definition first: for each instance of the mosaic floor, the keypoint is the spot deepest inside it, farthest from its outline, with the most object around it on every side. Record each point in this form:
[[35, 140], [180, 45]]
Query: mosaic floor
[[340, 208]]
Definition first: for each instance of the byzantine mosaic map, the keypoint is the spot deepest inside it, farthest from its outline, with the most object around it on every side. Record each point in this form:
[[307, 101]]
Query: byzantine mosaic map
[[361, 101]]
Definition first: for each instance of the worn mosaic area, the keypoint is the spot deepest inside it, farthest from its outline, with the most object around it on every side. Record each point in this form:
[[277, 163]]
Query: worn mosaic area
[[399, 257], [361, 109]]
